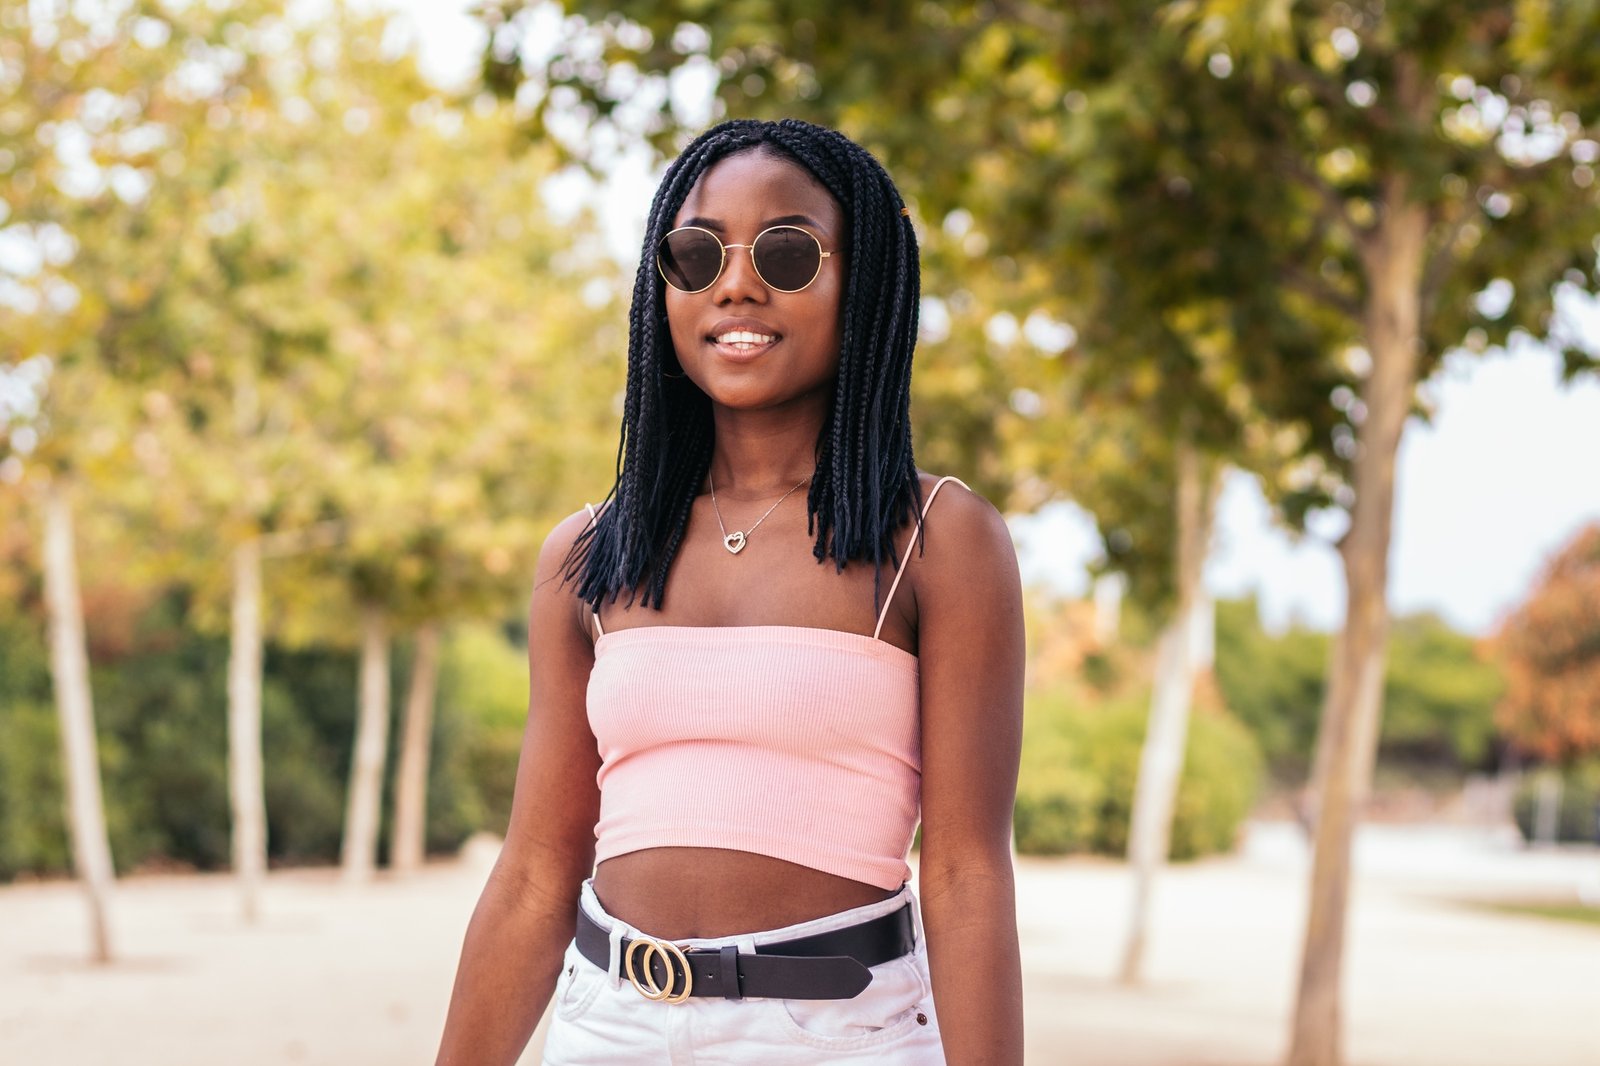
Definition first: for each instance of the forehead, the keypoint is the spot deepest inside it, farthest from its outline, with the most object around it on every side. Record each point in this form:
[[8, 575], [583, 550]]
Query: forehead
[[752, 187]]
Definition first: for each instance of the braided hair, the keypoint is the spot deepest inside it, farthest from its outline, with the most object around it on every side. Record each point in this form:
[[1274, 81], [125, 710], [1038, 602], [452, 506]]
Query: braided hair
[[865, 484]]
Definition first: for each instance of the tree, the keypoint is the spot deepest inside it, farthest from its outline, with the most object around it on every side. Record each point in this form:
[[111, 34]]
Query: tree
[[1550, 648], [1451, 150], [408, 315], [97, 109]]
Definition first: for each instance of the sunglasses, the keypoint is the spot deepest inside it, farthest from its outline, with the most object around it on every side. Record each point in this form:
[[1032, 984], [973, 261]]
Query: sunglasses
[[786, 258]]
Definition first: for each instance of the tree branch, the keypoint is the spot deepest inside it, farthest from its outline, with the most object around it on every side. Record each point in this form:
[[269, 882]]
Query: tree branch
[[1315, 287], [1328, 92], [1438, 265], [1038, 16], [294, 541], [1334, 208]]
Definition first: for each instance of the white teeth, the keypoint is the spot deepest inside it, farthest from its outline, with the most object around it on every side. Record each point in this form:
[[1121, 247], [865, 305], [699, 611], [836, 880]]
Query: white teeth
[[743, 338]]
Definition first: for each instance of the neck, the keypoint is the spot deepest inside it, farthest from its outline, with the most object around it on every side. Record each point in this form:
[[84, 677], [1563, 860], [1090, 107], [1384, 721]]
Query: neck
[[763, 453]]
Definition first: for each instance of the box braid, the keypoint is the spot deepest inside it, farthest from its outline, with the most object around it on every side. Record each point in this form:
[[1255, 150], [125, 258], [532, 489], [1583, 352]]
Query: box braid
[[865, 485]]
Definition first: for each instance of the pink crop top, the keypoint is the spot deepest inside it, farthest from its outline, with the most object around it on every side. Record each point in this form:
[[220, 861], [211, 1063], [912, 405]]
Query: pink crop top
[[791, 741]]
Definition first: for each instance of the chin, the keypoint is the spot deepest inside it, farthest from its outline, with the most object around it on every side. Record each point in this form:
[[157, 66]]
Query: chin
[[743, 399]]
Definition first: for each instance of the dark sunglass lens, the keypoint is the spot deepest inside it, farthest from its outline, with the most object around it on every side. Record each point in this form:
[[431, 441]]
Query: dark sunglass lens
[[690, 259], [787, 258]]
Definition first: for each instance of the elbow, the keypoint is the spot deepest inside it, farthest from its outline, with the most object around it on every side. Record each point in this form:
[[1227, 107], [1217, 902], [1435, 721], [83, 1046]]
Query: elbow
[[970, 873]]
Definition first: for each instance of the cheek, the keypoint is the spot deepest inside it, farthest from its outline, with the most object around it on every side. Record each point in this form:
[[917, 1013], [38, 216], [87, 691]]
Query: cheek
[[831, 312], [678, 317]]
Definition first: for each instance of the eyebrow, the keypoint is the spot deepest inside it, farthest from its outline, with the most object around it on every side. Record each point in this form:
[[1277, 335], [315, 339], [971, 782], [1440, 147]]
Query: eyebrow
[[781, 220]]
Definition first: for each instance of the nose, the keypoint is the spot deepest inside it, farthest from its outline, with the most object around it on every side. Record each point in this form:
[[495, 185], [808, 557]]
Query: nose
[[738, 281]]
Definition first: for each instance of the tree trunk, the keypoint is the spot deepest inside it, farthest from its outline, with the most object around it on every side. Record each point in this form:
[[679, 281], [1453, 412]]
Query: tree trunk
[[411, 789], [1203, 635], [1547, 810], [364, 806], [1353, 705], [1108, 590], [1161, 760], [247, 791], [69, 671]]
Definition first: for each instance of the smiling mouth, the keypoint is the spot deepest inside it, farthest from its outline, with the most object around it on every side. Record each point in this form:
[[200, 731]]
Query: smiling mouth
[[743, 340]]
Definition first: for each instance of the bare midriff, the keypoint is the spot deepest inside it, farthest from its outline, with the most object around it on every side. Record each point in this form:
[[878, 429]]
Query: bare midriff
[[678, 893]]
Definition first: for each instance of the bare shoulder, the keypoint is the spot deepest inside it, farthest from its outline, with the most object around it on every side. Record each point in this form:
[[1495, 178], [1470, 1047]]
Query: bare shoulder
[[553, 594], [965, 538], [558, 543]]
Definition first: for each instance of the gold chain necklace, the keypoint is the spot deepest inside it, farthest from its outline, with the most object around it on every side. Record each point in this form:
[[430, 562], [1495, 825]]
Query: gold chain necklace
[[735, 541]]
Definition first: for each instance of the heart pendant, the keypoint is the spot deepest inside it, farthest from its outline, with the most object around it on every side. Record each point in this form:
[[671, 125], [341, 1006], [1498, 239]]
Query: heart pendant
[[734, 541]]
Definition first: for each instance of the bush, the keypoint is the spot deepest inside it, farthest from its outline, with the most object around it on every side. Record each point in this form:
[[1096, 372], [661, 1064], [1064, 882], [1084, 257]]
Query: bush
[[1579, 818], [1272, 683], [483, 699], [1439, 700], [33, 831], [1439, 691], [1080, 765]]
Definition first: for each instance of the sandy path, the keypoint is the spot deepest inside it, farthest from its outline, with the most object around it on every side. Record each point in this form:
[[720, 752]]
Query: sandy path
[[335, 976]]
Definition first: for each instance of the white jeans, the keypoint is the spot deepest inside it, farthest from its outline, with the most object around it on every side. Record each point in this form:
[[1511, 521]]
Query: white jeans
[[598, 1018]]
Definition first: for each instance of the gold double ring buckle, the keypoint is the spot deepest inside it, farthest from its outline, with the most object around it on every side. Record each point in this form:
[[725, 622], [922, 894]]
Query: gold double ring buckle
[[646, 984]]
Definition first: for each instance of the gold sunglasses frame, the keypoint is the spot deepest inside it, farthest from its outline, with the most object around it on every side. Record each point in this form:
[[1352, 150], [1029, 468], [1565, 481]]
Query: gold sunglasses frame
[[822, 253]]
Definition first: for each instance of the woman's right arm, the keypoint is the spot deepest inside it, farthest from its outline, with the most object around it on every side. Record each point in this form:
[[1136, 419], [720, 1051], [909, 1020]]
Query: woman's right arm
[[524, 919]]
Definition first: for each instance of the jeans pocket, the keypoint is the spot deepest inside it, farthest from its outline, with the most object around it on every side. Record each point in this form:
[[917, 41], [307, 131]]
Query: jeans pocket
[[580, 982], [893, 1006]]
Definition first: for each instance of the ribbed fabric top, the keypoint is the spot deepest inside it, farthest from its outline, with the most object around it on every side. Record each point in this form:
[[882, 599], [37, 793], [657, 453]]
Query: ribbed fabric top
[[800, 743], [803, 744]]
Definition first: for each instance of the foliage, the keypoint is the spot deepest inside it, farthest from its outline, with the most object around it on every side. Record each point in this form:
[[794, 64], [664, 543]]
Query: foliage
[[484, 698], [1440, 690], [104, 177], [1080, 762], [284, 293], [1439, 696], [163, 751], [1551, 650], [471, 406], [1272, 683], [1578, 819], [1482, 115]]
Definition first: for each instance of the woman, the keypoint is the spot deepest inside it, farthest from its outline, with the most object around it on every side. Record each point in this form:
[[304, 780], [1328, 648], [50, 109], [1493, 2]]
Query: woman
[[746, 758]]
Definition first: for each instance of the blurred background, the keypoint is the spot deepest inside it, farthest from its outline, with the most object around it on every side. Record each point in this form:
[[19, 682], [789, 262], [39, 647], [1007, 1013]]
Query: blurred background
[[1270, 325]]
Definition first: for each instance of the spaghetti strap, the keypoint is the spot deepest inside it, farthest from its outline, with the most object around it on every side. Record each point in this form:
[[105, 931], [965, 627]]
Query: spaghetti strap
[[598, 628], [906, 561]]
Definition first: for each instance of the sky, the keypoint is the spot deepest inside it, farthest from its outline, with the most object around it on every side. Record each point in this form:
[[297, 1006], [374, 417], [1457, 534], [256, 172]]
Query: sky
[[1502, 476]]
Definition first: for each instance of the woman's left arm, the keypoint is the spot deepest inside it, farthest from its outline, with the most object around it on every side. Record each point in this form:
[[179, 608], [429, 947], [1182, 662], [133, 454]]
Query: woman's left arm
[[970, 643]]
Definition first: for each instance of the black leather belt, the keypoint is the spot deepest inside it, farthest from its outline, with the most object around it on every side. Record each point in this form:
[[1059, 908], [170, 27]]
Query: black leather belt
[[832, 965]]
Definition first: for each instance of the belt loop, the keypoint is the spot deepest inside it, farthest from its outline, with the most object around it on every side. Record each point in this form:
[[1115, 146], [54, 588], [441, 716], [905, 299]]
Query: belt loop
[[730, 972], [916, 915], [614, 966]]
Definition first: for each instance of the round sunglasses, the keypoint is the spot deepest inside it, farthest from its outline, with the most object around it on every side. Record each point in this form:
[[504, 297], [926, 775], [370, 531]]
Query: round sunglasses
[[786, 258]]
